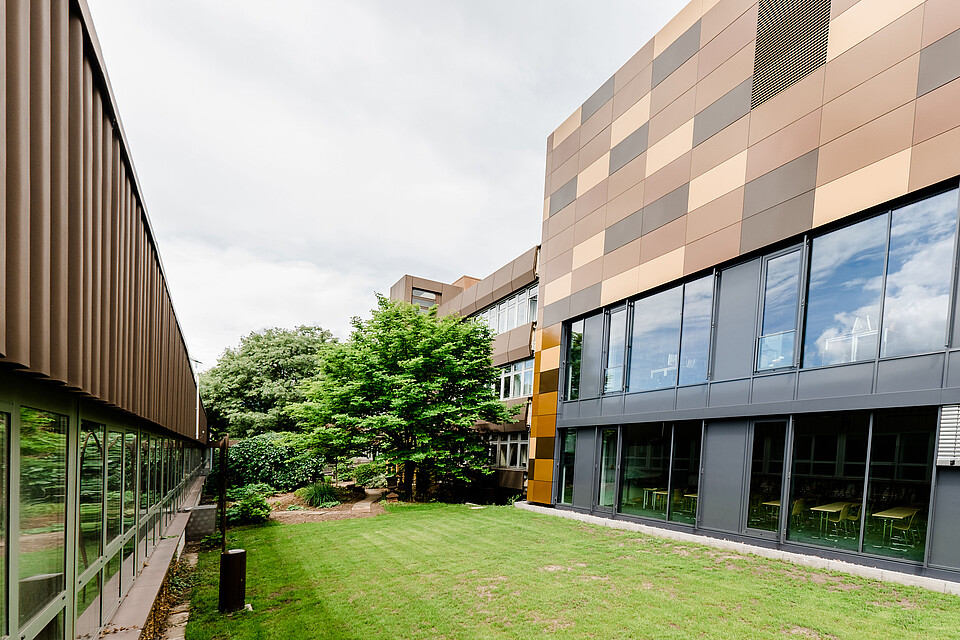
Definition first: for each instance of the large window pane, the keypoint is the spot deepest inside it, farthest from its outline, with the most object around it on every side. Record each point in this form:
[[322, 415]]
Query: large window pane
[[685, 477], [656, 341], [779, 326], [574, 359], [898, 498], [843, 307], [646, 459], [917, 296], [695, 335], [766, 475], [91, 494], [88, 609], [826, 493], [114, 501], [43, 492], [616, 351], [568, 450], [130, 449], [607, 495]]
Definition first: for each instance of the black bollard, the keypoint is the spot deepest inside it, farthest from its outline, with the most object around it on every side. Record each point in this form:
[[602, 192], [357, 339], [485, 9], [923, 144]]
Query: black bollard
[[233, 580]]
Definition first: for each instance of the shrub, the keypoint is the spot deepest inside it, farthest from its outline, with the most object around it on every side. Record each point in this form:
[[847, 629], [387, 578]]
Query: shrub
[[372, 475], [238, 493], [250, 509], [319, 494], [284, 461]]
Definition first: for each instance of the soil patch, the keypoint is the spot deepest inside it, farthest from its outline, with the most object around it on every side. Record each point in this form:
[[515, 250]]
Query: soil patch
[[281, 512]]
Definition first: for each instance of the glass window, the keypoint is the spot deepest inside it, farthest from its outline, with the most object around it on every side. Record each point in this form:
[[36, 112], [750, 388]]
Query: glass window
[[43, 492], [826, 493], [655, 344], [843, 307], [130, 449], [616, 351], [512, 313], [91, 494], [501, 317], [532, 304], [88, 609], [574, 359], [778, 329], [516, 380], [607, 492], [685, 476], [521, 308], [144, 474], [917, 295], [766, 475], [695, 332], [898, 497], [114, 483], [646, 463], [568, 451]]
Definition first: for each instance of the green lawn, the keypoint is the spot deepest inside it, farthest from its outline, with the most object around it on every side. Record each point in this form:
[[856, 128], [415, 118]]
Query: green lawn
[[446, 571]]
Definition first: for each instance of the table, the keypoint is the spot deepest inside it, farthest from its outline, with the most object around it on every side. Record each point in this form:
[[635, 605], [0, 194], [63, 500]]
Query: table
[[889, 516], [657, 494], [650, 495], [826, 509]]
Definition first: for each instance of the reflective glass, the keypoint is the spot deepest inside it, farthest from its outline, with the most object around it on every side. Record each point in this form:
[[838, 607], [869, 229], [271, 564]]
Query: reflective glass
[[616, 351], [655, 345], [826, 492], [88, 609], [607, 493], [917, 296], [695, 333], [144, 473], [43, 492], [898, 497], [780, 296], [567, 455], [646, 462], [130, 449], [114, 483], [843, 305], [573, 360], [766, 475], [685, 476], [91, 493]]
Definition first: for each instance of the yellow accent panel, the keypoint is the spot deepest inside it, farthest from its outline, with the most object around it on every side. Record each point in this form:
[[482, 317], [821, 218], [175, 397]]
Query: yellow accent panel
[[564, 130], [550, 359], [671, 147], [537, 339], [594, 174], [543, 470], [544, 426], [675, 28], [545, 404], [864, 188], [661, 270], [619, 286], [551, 337], [557, 290], [539, 491], [631, 120], [718, 181], [588, 250], [862, 20]]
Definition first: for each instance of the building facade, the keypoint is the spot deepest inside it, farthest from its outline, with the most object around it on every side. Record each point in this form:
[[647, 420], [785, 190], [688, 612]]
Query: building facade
[[507, 300], [100, 422], [750, 314]]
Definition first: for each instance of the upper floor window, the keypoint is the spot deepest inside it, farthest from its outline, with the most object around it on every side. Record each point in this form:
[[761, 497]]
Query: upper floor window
[[516, 380], [616, 351], [424, 299], [778, 328], [695, 330], [655, 355], [513, 311], [573, 360]]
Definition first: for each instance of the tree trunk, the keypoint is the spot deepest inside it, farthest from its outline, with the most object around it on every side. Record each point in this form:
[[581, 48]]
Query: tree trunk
[[406, 481], [423, 480]]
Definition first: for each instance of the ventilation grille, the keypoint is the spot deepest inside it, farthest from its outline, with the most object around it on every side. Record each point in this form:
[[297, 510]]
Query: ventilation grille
[[791, 43], [948, 450]]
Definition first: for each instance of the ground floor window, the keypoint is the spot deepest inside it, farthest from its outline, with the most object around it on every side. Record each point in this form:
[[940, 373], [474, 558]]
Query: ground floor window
[[568, 450], [509, 449]]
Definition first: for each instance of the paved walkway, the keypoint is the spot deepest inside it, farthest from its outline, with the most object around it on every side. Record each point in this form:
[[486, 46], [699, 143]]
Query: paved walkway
[[366, 504]]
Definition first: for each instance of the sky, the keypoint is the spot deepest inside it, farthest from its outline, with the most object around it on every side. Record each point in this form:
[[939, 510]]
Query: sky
[[297, 157]]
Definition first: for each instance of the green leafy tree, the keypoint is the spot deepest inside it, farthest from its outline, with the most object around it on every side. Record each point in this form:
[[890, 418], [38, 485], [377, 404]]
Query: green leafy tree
[[249, 389], [410, 386]]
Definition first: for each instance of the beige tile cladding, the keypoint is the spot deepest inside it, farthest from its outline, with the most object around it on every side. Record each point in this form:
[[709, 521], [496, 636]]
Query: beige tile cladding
[[874, 140]]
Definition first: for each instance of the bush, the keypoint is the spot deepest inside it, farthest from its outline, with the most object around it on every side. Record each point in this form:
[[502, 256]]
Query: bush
[[372, 475], [319, 494], [250, 509], [238, 493], [284, 461]]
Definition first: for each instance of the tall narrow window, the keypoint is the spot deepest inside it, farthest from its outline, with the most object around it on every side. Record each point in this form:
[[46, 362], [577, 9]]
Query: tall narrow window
[[695, 333], [532, 302], [129, 480], [843, 305], [574, 359], [91, 494], [766, 475], [778, 329], [43, 504], [568, 451], [917, 295], [114, 483], [656, 341], [616, 351]]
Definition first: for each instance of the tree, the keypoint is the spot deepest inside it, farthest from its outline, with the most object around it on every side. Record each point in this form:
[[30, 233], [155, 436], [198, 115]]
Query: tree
[[250, 388], [410, 386]]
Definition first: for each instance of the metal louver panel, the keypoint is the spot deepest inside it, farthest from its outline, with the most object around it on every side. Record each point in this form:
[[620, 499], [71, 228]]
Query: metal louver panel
[[948, 450], [791, 44]]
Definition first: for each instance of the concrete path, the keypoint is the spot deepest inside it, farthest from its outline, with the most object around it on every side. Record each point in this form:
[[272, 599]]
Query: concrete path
[[364, 506]]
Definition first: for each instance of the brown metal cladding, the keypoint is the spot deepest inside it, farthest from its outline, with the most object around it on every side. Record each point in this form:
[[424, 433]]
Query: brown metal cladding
[[83, 297]]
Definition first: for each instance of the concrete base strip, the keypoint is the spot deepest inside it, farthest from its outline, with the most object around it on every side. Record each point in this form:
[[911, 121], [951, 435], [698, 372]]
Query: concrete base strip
[[130, 618], [814, 562]]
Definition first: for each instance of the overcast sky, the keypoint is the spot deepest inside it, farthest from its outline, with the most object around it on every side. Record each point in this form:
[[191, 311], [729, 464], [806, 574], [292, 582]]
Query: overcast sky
[[296, 157]]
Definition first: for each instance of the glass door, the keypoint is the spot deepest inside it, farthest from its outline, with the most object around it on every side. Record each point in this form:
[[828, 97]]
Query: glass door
[[766, 476], [607, 470]]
